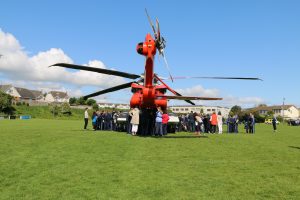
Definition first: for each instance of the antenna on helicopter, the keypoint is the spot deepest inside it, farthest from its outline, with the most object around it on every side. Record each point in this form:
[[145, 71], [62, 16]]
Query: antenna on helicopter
[[160, 42]]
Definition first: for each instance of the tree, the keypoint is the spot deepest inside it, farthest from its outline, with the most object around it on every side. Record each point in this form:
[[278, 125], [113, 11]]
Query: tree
[[72, 100], [81, 101], [262, 105], [90, 102], [95, 106], [65, 109], [6, 103], [259, 118], [270, 113], [54, 108], [236, 110]]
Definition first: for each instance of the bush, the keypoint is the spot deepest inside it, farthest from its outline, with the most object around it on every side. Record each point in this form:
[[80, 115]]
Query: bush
[[6, 103], [91, 102], [54, 108], [95, 106], [66, 109]]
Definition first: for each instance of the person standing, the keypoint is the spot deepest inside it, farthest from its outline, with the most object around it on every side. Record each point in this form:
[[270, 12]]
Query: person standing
[[86, 118], [135, 120], [198, 123], [158, 122], [251, 123], [191, 118], [236, 123], [165, 119], [94, 120], [274, 121], [213, 121], [220, 122]]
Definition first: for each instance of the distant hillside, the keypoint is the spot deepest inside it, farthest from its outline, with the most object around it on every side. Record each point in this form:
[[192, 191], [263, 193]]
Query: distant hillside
[[44, 112]]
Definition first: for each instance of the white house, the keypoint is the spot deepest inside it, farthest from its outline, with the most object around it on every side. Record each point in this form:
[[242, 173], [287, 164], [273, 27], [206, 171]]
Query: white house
[[204, 109], [23, 94], [114, 105], [287, 111], [57, 97], [9, 89]]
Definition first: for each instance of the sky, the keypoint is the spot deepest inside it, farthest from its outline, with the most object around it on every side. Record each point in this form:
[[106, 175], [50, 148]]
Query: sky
[[249, 38]]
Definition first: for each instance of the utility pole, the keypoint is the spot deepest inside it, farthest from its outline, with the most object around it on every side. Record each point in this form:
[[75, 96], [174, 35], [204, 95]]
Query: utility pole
[[283, 111]]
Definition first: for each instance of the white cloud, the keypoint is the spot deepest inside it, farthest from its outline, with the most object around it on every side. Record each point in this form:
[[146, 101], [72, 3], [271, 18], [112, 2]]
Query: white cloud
[[198, 90], [228, 101], [16, 65], [244, 102]]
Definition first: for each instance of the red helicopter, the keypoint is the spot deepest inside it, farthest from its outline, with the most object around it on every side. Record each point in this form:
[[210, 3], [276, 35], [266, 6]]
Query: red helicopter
[[149, 90]]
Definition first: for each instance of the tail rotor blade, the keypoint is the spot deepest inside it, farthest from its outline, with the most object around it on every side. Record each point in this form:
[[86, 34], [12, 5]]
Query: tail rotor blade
[[151, 24]]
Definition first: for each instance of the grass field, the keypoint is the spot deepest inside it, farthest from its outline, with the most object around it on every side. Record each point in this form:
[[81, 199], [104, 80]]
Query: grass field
[[56, 159]]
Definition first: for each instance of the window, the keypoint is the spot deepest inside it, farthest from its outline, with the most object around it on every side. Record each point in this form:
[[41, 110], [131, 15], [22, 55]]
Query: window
[[208, 110]]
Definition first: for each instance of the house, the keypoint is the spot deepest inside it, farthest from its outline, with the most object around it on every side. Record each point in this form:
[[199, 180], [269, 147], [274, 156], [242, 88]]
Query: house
[[287, 111], [114, 105], [57, 97], [22, 94], [200, 109]]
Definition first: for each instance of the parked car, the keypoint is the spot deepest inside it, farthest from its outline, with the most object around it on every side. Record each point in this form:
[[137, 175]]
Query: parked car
[[172, 123], [122, 121], [269, 121], [294, 122]]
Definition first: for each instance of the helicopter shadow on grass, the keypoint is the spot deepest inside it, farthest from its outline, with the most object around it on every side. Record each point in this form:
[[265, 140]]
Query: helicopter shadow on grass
[[294, 147], [180, 137]]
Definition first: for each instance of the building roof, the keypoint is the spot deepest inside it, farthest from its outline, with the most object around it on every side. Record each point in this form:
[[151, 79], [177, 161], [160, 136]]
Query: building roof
[[4, 88], [270, 108], [58, 94], [38, 94], [28, 94], [24, 93]]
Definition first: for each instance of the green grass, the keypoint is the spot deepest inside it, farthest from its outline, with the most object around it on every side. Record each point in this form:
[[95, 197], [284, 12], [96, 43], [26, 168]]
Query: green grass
[[56, 159], [44, 112]]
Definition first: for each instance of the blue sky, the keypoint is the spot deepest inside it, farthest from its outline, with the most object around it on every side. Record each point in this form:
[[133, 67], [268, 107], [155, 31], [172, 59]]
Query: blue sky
[[204, 38]]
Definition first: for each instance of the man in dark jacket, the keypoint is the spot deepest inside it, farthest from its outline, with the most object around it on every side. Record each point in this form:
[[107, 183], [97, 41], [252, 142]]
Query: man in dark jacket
[[274, 121]]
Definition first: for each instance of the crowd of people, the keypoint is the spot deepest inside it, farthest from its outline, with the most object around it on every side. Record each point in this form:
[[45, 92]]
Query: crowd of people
[[102, 120], [155, 123], [201, 123]]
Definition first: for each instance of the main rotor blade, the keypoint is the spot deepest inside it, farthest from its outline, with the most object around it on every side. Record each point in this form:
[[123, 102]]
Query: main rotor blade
[[166, 64], [158, 30], [216, 77], [189, 98], [98, 70], [112, 89], [151, 24], [171, 90]]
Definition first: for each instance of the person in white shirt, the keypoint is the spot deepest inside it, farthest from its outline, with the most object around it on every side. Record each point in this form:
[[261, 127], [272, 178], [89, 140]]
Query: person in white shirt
[[86, 118], [220, 122]]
